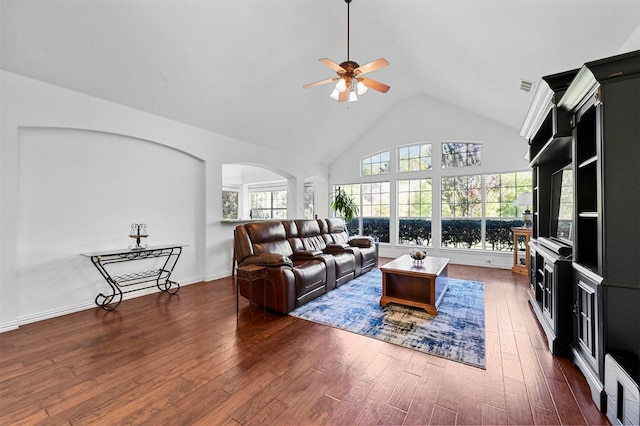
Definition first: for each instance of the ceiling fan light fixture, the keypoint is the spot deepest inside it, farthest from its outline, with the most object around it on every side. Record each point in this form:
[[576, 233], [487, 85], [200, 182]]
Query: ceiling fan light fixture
[[350, 81], [361, 89]]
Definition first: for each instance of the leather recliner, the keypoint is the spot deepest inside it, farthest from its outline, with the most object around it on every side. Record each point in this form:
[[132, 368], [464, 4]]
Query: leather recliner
[[365, 249], [303, 258], [265, 243], [310, 240]]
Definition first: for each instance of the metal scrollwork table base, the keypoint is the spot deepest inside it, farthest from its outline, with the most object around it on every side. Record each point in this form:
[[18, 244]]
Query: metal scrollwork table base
[[127, 283]]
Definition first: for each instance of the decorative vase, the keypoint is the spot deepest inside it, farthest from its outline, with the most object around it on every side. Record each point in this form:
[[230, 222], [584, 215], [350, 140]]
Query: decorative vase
[[418, 255]]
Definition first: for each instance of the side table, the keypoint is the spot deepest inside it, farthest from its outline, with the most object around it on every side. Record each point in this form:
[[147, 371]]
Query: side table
[[521, 232], [251, 274]]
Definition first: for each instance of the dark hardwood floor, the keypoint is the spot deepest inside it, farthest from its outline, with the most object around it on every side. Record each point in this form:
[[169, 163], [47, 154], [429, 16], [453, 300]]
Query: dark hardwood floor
[[183, 359]]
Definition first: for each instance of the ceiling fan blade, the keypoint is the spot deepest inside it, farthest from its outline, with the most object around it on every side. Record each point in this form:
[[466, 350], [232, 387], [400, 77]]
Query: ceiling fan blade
[[372, 66], [320, 83], [375, 85], [328, 62]]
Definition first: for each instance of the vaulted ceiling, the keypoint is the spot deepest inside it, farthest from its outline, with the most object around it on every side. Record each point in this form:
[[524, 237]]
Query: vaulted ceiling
[[236, 67]]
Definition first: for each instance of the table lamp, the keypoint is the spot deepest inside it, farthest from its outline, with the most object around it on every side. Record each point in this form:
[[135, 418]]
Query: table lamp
[[525, 200]]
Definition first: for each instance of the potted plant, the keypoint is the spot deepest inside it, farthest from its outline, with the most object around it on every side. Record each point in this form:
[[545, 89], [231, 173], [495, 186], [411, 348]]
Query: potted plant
[[344, 205]]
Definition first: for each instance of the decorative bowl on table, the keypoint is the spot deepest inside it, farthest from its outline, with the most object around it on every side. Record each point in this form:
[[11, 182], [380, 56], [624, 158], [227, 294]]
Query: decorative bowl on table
[[418, 255]]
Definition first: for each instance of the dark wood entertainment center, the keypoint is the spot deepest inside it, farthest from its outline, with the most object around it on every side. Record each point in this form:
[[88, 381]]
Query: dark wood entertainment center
[[583, 130]]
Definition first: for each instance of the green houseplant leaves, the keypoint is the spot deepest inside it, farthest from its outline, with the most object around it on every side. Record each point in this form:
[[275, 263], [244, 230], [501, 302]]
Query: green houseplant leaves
[[344, 205]]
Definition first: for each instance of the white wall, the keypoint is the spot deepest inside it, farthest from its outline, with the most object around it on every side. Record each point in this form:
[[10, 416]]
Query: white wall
[[76, 171], [81, 190], [428, 120]]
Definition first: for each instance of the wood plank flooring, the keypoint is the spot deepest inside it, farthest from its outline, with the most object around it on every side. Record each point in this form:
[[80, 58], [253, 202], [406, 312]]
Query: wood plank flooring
[[183, 359]]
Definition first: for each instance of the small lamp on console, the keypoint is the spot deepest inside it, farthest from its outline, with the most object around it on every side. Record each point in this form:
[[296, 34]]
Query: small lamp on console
[[525, 200]]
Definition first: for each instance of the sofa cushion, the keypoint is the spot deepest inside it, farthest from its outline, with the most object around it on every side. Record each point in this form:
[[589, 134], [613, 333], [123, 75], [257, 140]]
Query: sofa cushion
[[309, 234], [337, 231], [266, 231], [280, 247], [268, 237]]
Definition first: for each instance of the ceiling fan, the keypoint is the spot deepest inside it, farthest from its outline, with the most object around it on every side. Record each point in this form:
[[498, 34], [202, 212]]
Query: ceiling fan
[[351, 82]]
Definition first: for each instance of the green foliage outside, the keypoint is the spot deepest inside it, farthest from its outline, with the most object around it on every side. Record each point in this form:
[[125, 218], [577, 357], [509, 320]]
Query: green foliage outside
[[229, 205], [376, 164]]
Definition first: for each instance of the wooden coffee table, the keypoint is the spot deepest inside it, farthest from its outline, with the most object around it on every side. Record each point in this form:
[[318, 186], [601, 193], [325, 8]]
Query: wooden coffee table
[[415, 284]]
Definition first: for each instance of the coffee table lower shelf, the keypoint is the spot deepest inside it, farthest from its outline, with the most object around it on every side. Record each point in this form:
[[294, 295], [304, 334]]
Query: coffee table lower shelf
[[418, 285]]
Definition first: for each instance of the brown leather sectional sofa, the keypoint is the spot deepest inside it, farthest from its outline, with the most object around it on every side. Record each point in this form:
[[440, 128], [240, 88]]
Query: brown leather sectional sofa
[[304, 258]]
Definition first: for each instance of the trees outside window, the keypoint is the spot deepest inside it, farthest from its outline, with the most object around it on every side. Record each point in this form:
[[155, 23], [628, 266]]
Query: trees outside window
[[476, 210], [414, 211], [414, 158], [376, 210], [501, 190], [376, 164], [269, 205], [461, 211], [230, 204], [461, 154], [309, 200]]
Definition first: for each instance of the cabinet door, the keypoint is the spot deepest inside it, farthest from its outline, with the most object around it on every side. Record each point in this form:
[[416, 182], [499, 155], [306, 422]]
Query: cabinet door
[[587, 337], [532, 271], [547, 298]]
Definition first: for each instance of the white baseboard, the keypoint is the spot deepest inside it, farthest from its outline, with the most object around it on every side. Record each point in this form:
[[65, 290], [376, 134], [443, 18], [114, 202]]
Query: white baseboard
[[8, 326], [218, 276], [65, 310]]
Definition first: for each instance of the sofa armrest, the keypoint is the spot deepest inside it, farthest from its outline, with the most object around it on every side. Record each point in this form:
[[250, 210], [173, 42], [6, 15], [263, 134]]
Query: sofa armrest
[[337, 246], [268, 259], [361, 242], [309, 254], [340, 248]]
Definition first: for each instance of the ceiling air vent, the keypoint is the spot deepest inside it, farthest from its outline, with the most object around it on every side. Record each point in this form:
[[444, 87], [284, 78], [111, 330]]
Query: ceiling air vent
[[526, 85]]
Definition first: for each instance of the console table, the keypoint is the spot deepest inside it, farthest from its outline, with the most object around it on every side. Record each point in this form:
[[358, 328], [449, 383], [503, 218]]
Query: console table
[[130, 282]]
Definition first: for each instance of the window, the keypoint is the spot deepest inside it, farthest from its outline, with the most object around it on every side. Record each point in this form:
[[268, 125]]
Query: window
[[461, 198], [353, 191], [414, 211], [375, 210], [377, 164], [269, 205], [501, 190], [309, 200], [230, 204], [414, 158], [461, 154]]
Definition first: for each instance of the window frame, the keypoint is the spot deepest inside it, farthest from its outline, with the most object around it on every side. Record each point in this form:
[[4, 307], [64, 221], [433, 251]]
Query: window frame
[[225, 215], [466, 160], [418, 225], [419, 159], [375, 162], [271, 209]]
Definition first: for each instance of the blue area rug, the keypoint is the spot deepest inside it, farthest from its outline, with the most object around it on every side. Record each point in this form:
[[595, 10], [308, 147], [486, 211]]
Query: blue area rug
[[456, 333]]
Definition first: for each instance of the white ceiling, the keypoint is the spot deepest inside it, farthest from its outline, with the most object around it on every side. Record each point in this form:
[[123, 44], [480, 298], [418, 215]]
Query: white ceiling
[[236, 67]]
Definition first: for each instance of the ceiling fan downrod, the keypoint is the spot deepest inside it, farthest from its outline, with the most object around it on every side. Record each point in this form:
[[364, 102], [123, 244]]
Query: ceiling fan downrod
[[348, 25]]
